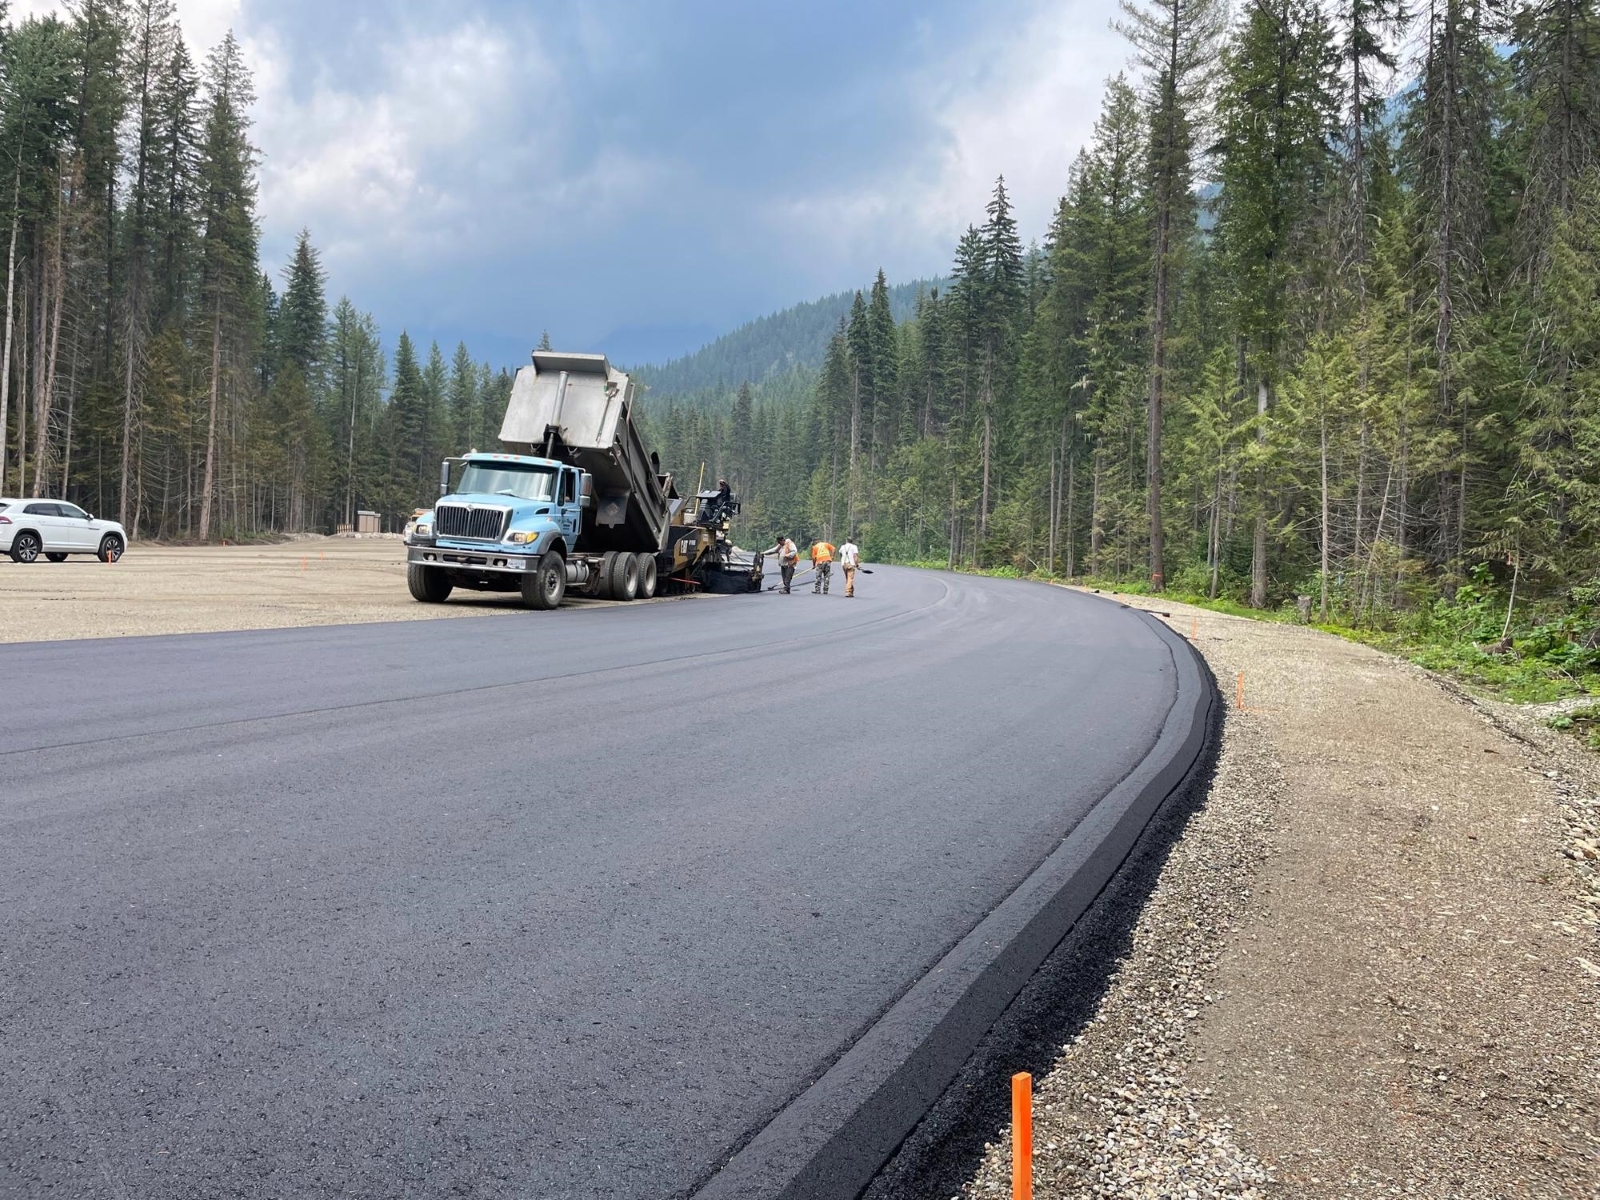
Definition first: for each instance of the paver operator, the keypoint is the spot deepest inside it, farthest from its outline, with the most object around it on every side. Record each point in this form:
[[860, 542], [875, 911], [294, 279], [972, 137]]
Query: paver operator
[[850, 560], [788, 555], [822, 565]]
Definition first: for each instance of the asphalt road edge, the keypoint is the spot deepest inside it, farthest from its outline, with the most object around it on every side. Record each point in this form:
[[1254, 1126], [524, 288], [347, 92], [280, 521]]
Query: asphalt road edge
[[829, 1142]]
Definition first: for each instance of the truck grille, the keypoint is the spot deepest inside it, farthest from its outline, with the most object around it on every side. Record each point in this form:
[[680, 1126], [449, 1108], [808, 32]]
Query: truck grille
[[462, 521]]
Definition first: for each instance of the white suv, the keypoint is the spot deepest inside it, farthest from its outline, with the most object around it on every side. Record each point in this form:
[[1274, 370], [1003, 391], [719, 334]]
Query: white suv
[[54, 528]]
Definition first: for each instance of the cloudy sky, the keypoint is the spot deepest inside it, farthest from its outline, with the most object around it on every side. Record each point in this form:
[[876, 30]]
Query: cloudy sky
[[640, 175]]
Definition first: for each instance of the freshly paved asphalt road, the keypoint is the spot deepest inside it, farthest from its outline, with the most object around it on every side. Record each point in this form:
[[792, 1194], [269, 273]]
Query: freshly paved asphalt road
[[563, 905]]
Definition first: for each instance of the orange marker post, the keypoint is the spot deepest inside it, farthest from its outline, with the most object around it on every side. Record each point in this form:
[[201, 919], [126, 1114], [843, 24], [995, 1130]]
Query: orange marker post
[[1022, 1136], [1239, 694]]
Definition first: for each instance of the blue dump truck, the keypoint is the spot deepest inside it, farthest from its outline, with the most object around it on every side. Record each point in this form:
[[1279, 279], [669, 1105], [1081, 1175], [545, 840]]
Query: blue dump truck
[[574, 501]]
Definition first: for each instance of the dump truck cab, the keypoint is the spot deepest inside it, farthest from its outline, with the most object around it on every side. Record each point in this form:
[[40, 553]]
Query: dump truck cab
[[513, 501], [496, 521]]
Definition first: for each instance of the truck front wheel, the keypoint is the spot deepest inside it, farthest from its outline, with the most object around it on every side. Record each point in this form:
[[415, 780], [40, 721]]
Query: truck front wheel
[[547, 585], [427, 584]]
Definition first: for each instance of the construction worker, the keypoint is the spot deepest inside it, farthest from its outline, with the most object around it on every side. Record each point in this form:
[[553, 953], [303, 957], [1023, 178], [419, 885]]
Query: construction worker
[[721, 507], [822, 565], [850, 560], [788, 555]]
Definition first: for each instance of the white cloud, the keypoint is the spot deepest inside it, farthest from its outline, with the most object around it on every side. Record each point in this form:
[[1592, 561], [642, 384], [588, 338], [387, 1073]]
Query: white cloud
[[1019, 101], [204, 21], [392, 166], [457, 150], [457, 174]]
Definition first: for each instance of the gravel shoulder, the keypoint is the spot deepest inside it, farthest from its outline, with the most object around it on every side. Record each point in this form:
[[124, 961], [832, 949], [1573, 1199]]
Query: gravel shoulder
[[1369, 965], [204, 589]]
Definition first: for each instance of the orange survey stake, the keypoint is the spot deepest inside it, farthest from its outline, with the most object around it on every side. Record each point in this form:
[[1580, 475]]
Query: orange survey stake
[[1022, 1136]]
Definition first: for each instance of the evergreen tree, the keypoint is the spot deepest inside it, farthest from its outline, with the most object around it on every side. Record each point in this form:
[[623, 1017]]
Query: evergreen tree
[[302, 319], [408, 401], [741, 439], [154, 34], [463, 401], [228, 244], [1175, 43], [1448, 145], [1276, 115], [174, 183], [1556, 66]]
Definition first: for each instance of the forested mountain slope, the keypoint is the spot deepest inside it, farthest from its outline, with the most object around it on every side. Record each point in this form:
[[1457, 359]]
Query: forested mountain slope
[[769, 346], [1311, 317]]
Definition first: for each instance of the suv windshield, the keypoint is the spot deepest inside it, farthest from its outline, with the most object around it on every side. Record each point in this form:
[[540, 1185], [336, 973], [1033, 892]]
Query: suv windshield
[[509, 479]]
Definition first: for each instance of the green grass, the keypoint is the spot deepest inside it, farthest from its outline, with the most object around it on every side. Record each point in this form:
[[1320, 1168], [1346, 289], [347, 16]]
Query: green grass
[[1582, 722]]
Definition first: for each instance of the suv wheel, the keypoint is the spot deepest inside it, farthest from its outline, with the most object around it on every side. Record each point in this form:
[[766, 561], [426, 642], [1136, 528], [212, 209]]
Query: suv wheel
[[110, 548], [55, 555], [25, 547]]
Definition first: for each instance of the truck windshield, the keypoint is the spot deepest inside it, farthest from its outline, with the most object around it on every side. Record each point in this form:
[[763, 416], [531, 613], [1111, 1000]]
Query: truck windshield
[[509, 479]]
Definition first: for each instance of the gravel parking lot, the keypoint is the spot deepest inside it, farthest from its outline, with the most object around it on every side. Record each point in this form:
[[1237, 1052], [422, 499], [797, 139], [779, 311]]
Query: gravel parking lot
[[199, 589]]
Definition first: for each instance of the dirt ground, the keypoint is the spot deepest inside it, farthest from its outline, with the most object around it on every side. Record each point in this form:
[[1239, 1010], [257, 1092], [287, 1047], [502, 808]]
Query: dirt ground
[[197, 589], [1370, 965]]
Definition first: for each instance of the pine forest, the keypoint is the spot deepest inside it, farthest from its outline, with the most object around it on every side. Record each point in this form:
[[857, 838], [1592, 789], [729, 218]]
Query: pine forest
[[1318, 316], [153, 373]]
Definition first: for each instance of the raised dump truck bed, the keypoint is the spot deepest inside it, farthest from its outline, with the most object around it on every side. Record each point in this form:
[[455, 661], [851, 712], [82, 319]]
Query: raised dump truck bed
[[579, 408]]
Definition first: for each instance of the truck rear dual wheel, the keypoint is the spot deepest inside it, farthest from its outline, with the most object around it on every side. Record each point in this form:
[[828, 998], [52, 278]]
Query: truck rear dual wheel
[[648, 578], [622, 577], [547, 585], [428, 585]]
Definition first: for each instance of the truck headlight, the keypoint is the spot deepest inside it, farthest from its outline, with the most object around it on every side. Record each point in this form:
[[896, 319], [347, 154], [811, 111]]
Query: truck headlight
[[424, 529], [521, 538]]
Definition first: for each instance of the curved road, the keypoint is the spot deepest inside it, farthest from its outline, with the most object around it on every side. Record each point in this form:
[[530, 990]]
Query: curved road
[[554, 905]]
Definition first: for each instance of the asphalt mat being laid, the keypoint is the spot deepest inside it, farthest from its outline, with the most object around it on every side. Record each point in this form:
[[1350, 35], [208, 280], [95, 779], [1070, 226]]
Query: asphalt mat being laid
[[564, 904]]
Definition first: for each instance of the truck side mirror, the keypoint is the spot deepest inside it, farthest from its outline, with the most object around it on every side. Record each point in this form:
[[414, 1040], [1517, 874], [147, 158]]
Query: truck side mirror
[[586, 491], [444, 478]]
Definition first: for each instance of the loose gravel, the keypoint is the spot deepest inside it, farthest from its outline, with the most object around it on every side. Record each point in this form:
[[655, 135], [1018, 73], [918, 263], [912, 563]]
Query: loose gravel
[[203, 589], [1119, 1114], [1369, 964], [1573, 772]]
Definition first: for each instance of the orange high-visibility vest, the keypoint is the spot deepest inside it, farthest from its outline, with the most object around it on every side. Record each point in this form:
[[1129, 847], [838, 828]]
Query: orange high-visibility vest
[[822, 552]]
